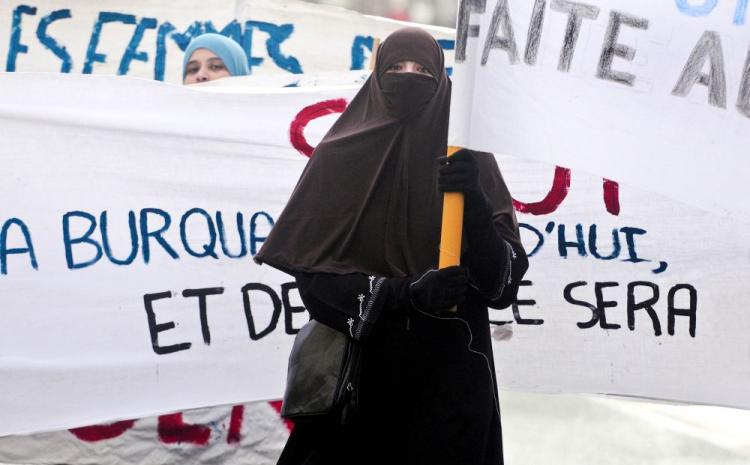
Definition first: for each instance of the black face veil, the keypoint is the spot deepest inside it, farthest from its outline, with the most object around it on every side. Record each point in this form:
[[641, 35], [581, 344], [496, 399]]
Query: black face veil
[[406, 94]]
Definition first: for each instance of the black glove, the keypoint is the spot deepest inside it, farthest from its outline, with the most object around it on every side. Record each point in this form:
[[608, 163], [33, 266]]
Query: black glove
[[460, 173], [439, 290]]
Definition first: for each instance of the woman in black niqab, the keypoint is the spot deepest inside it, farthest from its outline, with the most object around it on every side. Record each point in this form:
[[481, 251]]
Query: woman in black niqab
[[361, 236]]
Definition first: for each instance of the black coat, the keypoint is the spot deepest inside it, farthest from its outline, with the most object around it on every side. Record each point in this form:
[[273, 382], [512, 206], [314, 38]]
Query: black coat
[[428, 391]]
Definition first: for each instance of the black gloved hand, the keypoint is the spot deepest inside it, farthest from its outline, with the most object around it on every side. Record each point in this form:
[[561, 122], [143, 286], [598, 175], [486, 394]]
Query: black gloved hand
[[437, 291], [460, 173]]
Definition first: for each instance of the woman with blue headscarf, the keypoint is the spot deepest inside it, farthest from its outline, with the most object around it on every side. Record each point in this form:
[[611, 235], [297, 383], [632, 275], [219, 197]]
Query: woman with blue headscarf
[[213, 56]]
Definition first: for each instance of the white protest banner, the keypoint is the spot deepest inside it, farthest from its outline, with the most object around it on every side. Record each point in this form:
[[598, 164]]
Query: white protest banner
[[126, 189], [146, 38], [628, 292], [127, 285], [655, 94], [248, 434]]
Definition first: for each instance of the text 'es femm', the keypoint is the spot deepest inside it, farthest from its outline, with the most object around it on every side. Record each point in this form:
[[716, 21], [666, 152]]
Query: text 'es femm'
[[137, 48]]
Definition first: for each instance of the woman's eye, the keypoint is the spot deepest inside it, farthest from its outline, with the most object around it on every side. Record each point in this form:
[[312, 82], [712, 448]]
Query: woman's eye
[[217, 67], [192, 70], [424, 70], [394, 68]]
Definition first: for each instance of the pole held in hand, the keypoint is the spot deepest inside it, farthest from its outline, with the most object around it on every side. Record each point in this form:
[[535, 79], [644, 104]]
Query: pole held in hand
[[453, 222]]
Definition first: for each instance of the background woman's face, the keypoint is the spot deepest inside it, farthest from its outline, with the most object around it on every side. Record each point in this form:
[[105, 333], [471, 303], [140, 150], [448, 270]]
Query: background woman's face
[[204, 66], [408, 66]]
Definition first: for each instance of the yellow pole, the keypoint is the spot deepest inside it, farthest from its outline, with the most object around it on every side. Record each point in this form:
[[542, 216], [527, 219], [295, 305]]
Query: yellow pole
[[453, 223]]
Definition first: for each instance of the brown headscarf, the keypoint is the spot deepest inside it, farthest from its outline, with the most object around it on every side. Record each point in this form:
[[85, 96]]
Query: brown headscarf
[[368, 202]]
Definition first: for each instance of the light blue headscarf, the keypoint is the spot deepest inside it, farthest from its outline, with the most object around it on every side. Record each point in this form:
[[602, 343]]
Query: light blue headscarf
[[228, 50]]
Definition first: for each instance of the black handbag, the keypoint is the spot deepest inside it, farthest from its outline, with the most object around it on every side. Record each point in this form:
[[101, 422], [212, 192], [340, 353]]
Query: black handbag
[[323, 374]]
